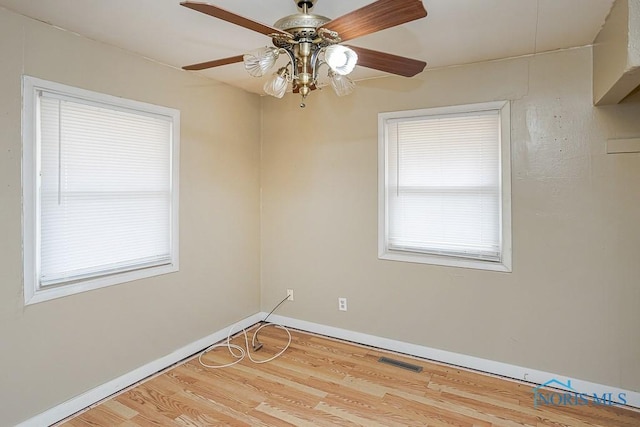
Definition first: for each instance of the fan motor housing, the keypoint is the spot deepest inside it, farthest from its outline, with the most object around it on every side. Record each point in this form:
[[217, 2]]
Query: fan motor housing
[[301, 25]]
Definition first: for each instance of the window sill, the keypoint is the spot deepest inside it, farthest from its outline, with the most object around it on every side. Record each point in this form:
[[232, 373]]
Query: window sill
[[503, 266], [65, 289]]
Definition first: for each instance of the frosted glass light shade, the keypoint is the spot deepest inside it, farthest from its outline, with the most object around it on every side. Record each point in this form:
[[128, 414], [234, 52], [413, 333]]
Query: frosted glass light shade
[[342, 85], [276, 85], [258, 62], [340, 59]]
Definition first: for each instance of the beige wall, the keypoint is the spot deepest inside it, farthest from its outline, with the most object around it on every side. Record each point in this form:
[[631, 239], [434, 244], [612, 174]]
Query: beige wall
[[56, 350], [571, 305]]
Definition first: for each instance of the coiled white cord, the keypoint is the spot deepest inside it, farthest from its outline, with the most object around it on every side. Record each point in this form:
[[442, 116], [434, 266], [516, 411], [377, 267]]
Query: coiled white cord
[[244, 352]]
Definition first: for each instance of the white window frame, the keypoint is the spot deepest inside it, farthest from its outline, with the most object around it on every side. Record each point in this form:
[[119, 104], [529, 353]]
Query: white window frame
[[504, 264], [33, 291]]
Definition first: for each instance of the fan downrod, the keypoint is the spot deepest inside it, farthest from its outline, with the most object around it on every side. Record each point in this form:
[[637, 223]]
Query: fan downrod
[[304, 5]]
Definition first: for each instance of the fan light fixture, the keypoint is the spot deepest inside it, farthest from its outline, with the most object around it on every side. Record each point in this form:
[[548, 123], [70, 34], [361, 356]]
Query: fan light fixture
[[259, 62], [308, 49], [340, 59], [277, 85], [312, 41], [342, 85], [302, 72]]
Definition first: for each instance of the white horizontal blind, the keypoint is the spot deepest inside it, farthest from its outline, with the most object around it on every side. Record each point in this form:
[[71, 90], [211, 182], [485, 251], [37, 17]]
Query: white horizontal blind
[[443, 181], [105, 189]]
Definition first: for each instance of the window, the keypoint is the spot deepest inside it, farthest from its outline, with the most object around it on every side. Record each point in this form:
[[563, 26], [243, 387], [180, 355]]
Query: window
[[444, 186], [100, 190]]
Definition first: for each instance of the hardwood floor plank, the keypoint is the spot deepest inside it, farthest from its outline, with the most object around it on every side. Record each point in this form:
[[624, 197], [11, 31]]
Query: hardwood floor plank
[[119, 409], [283, 415], [240, 416], [128, 423], [143, 421], [326, 382], [78, 422], [147, 410], [103, 416], [297, 384], [353, 417], [432, 416], [439, 405]]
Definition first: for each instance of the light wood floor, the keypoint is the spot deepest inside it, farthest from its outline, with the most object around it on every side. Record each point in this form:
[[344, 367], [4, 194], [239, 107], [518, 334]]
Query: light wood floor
[[325, 382]]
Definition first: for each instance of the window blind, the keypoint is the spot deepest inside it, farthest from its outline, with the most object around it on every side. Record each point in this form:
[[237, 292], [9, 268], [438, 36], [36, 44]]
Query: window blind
[[443, 185], [104, 190]]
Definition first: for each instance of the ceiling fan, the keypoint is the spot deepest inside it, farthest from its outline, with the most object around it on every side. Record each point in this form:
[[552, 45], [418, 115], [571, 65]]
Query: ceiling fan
[[311, 41]]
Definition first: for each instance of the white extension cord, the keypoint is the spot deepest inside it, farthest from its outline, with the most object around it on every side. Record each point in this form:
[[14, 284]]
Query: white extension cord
[[246, 351]]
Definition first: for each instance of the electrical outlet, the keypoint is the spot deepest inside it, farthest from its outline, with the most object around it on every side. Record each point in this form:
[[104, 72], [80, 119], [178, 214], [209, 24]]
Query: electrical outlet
[[342, 304], [289, 294]]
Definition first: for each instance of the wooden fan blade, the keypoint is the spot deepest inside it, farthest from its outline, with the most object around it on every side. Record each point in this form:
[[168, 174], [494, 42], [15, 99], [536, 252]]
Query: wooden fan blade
[[375, 17], [225, 15], [393, 64], [216, 63]]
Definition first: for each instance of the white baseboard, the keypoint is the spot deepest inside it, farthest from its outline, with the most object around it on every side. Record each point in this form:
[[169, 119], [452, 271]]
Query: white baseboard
[[489, 366], [94, 395], [533, 376]]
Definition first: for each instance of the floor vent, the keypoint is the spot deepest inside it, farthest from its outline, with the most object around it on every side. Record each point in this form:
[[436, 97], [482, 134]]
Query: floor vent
[[400, 364]]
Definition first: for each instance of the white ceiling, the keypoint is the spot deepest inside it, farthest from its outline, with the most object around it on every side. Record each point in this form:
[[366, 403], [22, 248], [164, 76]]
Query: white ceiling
[[455, 31]]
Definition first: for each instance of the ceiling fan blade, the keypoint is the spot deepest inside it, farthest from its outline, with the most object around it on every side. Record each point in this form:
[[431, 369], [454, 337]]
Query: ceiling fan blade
[[231, 17], [393, 64], [375, 17], [211, 64]]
